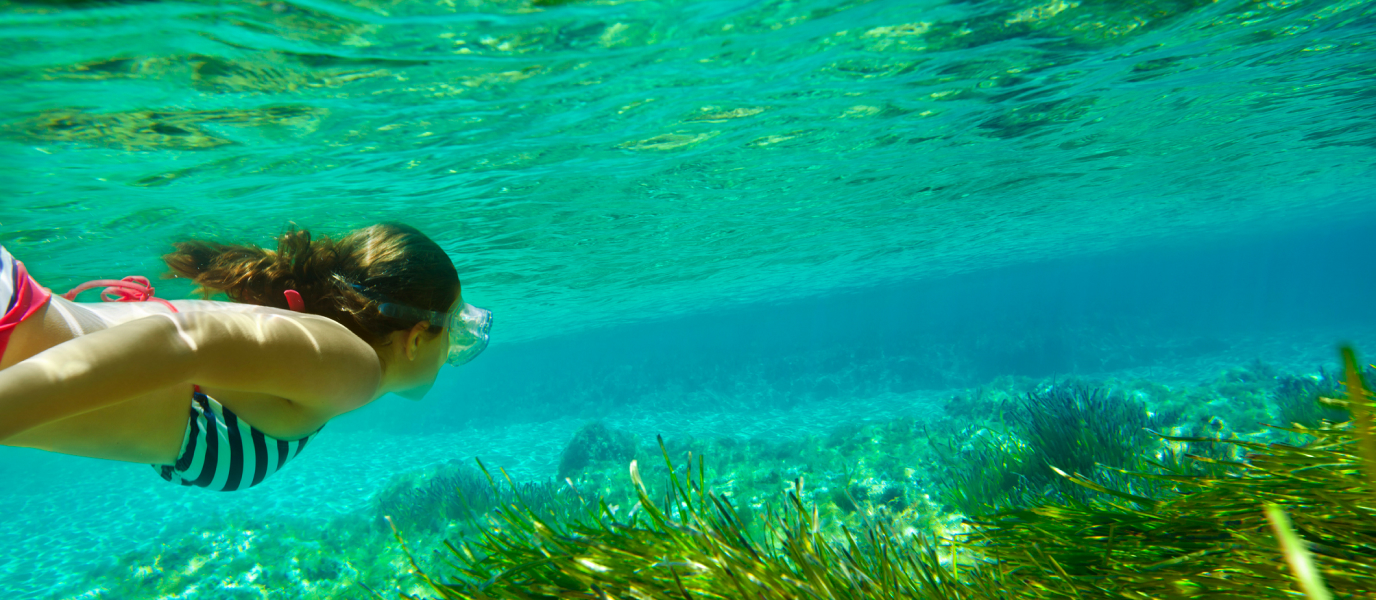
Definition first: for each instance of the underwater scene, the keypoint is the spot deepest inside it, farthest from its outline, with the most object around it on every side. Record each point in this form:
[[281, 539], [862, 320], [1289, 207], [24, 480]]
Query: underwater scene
[[793, 298]]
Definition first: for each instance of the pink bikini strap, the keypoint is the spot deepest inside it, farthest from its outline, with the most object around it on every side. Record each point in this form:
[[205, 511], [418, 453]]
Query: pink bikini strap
[[135, 288], [130, 289]]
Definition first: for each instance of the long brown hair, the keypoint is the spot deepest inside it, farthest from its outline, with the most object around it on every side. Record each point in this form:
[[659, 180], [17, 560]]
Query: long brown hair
[[343, 279]]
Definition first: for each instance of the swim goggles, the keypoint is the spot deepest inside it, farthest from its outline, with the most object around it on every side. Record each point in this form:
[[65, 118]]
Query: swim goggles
[[468, 326]]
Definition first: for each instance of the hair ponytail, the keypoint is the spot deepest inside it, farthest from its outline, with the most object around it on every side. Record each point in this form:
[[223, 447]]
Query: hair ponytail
[[390, 259]]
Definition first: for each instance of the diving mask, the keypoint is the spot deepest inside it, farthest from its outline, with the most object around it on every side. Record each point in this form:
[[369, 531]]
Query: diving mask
[[468, 333], [468, 327]]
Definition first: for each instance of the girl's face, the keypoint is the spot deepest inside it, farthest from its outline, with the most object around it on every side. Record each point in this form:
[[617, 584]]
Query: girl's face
[[427, 350]]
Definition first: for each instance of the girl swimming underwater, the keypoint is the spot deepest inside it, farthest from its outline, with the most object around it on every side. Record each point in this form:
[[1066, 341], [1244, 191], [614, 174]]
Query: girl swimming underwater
[[223, 394]]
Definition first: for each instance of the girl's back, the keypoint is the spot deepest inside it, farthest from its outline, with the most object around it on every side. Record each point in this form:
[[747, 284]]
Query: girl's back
[[148, 428]]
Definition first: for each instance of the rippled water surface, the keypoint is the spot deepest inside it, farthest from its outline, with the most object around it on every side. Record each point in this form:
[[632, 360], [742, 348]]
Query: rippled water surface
[[620, 160]]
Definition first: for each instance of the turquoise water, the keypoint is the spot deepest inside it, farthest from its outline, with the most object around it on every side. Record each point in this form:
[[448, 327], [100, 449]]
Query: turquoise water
[[759, 220]]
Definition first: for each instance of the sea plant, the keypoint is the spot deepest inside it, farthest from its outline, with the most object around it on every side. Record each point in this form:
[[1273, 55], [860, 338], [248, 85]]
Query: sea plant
[[987, 471], [1075, 427], [691, 543], [1299, 400], [1217, 539], [426, 500]]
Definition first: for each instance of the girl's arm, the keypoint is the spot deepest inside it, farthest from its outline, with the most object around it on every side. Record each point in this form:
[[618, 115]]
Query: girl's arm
[[311, 361]]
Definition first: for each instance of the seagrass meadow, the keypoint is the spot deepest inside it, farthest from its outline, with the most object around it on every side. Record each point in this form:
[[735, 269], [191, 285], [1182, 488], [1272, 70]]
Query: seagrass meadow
[[1207, 524]]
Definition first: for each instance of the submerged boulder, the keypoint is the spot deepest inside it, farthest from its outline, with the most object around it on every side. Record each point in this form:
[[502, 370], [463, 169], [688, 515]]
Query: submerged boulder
[[594, 443]]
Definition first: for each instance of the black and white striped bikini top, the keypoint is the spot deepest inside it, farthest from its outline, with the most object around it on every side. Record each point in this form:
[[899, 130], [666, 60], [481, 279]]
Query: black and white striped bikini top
[[223, 453]]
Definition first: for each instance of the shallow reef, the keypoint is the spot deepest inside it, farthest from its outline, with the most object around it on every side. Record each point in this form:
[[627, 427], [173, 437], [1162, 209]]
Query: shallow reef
[[1024, 488]]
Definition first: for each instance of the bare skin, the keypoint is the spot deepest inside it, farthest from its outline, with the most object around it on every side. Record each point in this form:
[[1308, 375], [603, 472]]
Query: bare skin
[[124, 394]]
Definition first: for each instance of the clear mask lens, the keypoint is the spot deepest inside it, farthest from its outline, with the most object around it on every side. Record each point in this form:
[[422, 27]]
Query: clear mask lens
[[468, 333]]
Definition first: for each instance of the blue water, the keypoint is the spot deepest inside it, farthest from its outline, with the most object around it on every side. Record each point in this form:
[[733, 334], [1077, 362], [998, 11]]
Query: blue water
[[697, 219]]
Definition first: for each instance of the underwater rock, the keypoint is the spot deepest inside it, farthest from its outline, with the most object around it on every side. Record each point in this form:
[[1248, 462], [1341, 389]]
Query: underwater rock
[[895, 498], [592, 443], [843, 500], [849, 497], [970, 404]]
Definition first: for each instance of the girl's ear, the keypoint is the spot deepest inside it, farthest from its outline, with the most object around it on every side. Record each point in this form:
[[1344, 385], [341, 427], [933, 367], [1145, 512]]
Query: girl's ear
[[414, 339]]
